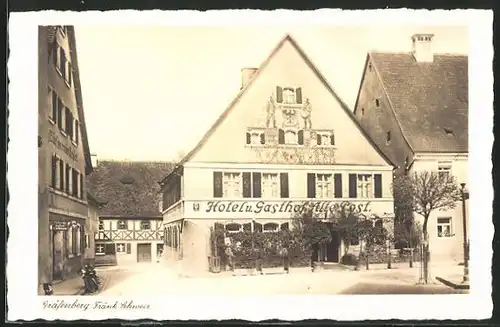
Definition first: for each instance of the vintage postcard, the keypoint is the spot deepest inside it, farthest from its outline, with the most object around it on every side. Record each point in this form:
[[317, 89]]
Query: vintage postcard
[[239, 165]]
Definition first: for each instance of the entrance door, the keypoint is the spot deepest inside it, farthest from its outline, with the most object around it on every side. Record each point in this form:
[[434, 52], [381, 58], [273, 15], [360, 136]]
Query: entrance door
[[332, 248], [57, 255], [144, 252]]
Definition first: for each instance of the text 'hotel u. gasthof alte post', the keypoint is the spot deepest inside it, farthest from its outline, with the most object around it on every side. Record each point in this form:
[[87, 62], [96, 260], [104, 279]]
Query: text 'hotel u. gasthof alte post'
[[286, 139]]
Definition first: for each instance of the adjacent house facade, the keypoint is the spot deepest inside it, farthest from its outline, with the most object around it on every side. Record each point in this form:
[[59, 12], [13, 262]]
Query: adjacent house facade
[[63, 157], [285, 140], [130, 224], [415, 107]]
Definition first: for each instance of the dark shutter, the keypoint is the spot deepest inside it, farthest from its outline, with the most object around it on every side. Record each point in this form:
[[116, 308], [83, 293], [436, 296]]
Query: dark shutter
[[332, 139], [256, 179], [60, 107], [54, 106], [129, 248], [311, 185], [262, 138], [54, 171], [249, 138], [318, 139], [61, 175], [217, 184], [80, 176], [62, 64], [378, 185], [337, 179], [301, 137], [109, 248], [353, 186], [247, 185], [279, 94], [298, 95], [284, 185], [281, 136], [68, 174]]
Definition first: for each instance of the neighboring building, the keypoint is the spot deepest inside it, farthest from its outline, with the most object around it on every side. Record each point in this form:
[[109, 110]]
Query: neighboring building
[[91, 228], [415, 107], [286, 139], [63, 156], [130, 224]]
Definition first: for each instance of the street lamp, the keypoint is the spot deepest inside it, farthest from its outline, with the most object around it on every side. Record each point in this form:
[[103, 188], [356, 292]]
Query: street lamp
[[465, 196]]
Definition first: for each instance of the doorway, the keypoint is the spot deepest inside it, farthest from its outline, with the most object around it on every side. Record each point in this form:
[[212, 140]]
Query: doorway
[[144, 252], [57, 254], [327, 252]]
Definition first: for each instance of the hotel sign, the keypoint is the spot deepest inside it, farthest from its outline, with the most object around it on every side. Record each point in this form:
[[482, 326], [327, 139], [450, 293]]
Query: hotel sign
[[285, 207], [68, 150]]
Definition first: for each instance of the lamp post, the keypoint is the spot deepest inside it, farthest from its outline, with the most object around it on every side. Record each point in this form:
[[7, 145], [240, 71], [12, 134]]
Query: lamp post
[[466, 259]]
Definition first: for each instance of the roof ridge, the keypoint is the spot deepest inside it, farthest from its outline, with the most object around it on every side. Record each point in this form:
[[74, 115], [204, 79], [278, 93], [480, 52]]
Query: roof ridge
[[450, 54]]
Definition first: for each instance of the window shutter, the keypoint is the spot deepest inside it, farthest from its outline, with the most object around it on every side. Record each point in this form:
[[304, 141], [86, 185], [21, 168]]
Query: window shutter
[[256, 179], [54, 171], [249, 138], [332, 139], [247, 185], [54, 106], [61, 175], [353, 186], [68, 176], [311, 185], [281, 136], [318, 139], [279, 94], [129, 248], [284, 185], [60, 107], [217, 184], [378, 185], [337, 179], [262, 138], [298, 95], [301, 137]]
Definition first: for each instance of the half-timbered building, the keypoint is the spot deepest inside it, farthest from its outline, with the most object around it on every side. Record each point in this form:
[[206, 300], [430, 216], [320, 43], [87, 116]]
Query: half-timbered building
[[130, 225]]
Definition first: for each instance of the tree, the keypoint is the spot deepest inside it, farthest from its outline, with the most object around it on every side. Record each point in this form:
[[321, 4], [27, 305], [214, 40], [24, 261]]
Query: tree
[[426, 192]]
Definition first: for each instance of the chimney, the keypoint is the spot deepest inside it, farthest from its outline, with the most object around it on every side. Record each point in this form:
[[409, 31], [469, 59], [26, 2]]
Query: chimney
[[246, 76], [422, 47], [93, 159]]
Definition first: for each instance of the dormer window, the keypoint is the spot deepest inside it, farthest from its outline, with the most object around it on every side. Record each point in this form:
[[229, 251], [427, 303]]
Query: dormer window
[[288, 95], [256, 137], [325, 138]]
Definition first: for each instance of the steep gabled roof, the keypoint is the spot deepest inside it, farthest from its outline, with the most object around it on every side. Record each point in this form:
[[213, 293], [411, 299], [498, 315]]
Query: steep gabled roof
[[255, 76], [130, 188], [429, 100], [78, 94]]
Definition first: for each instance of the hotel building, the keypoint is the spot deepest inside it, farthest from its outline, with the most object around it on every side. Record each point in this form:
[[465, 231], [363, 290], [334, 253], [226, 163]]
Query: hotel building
[[286, 138]]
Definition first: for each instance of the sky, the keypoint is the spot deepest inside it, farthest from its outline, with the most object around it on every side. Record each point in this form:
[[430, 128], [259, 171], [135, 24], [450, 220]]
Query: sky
[[150, 93]]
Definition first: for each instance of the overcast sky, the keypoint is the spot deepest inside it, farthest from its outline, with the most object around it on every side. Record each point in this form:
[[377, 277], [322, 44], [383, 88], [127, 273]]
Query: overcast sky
[[151, 93]]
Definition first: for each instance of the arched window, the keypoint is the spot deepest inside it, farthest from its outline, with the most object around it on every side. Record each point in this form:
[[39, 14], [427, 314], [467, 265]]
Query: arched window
[[122, 224], [271, 227], [233, 228]]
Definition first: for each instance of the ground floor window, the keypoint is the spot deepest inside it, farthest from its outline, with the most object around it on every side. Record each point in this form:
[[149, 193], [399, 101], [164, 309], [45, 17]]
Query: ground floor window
[[99, 249], [105, 248], [120, 248]]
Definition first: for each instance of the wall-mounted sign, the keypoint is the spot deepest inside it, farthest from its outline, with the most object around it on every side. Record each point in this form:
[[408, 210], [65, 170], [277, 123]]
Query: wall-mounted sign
[[59, 225], [67, 149]]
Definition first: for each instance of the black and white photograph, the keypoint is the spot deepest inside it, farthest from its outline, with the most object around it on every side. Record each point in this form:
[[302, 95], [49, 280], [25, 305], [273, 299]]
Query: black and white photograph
[[256, 160]]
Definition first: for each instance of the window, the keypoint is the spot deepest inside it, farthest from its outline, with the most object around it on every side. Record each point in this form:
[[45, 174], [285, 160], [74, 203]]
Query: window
[[61, 175], [285, 226], [99, 249], [233, 228], [325, 138], [290, 137], [145, 224], [60, 114], [68, 126], [388, 137], [324, 186], [288, 95], [377, 102], [74, 178], [444, 227], [101, 225], [271, 227], [365, 186], [121, 248], [78, 239], [232, 186], [444, 169], [270, 186], [255, 137], [53, 102], [68, 73], [68, 184], [122, 224]]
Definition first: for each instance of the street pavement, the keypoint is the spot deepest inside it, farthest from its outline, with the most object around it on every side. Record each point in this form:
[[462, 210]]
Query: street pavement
[[159, 279]]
